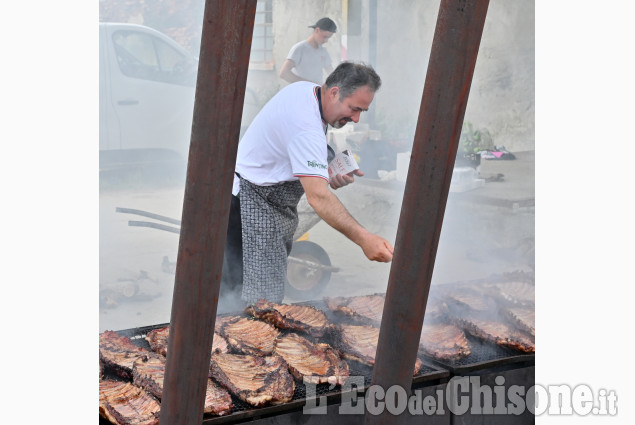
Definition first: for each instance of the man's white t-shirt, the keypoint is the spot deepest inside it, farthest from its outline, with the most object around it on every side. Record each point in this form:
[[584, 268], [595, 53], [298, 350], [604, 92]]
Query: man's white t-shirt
[[309, 61], [285, 141]]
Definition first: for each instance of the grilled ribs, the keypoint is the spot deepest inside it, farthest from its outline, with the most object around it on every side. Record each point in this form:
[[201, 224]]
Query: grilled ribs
[[158, 340], [436, 309], [524, 318], [123, 403], [316, 363], [359, 343], [256, 380], [515, 293], [250, 336], [150, 374], [301, 318], [217, 400], [497, 332], [118, 353], [443, 341], [366, 309], [464, 299]]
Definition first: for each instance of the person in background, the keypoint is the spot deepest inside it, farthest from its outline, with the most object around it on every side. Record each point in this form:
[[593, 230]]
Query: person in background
[[283, 155], [308, 59]]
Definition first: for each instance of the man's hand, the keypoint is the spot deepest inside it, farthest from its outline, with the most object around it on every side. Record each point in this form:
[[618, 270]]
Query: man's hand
[[377, 248], [330, 209], [341, 180]]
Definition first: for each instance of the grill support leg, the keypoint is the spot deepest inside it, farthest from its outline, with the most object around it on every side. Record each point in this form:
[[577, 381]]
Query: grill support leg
[[220, 92], [452, 59]]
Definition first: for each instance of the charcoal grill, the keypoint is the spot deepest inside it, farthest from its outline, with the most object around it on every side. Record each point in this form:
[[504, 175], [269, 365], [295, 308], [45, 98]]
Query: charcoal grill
[[429, 374], [485, 359], [484, 355]]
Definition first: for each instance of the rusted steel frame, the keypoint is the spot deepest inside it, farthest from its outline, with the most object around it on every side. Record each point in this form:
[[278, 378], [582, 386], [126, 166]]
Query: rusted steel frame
[[451, 67], [220, 92]]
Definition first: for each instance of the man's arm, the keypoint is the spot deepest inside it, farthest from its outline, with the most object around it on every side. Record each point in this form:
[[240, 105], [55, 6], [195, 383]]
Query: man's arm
[[331, 210], [286, 74]]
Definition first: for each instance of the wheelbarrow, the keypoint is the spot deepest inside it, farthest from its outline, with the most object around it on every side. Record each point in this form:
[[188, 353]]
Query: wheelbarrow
[[309, 266]]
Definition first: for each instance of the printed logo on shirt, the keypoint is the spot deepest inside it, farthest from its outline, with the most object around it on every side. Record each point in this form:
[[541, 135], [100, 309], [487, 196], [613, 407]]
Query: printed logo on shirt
[[315, 164]]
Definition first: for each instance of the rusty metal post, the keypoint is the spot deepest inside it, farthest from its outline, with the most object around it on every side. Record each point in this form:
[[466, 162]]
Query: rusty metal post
[[452, 59], [220, 92]]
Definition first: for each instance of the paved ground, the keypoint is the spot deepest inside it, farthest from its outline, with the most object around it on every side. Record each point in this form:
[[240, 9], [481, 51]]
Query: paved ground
[[486, 230]]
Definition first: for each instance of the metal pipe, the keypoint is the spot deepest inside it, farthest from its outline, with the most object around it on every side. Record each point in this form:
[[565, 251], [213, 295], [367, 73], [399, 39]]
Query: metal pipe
[[451, 67], [220, 92], [372, 51], [149, 215]]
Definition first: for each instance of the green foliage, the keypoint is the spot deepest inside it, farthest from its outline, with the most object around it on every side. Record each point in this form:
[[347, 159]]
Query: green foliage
[[474, 140]]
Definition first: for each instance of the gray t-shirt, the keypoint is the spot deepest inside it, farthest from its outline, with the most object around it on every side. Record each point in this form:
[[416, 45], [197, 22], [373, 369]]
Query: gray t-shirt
[[309, 61]]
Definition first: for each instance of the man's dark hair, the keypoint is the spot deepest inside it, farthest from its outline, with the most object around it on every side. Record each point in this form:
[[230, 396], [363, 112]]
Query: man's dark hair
[[349, 76]]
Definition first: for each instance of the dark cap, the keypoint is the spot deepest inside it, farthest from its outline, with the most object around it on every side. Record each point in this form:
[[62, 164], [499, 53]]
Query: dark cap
[[325, 24]]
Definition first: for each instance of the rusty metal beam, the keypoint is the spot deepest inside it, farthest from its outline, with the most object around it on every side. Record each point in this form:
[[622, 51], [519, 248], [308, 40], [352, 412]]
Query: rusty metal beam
[[220, 92], [450, 69]]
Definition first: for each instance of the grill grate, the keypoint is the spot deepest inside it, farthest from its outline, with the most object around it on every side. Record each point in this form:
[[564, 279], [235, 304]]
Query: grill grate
[[428, 372], [483, 355]]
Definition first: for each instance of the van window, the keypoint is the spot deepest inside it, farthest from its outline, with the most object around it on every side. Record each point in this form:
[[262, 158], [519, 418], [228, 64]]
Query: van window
[[147, 57]]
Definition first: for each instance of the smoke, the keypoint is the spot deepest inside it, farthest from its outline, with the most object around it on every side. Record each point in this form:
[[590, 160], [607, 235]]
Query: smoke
[[478, 238], [230, 302]]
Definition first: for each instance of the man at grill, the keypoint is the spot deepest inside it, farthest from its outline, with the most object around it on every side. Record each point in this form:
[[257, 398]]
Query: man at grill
[[284, 154]]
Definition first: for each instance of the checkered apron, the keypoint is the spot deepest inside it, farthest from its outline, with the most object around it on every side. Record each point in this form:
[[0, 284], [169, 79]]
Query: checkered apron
[[269, 218]]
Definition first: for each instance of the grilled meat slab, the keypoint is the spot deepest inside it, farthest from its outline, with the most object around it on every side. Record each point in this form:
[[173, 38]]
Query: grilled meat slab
[[217, 400], [366, 309], [359, 343], [250, 336], [123, 403], [444, 341], [498, 333], [301, 318], [118, 353], [516, 293], [463, 299], [149, 375], [223, 320], [256, 380], [158, 340], [436, 309], [524, 318], [315, 363]]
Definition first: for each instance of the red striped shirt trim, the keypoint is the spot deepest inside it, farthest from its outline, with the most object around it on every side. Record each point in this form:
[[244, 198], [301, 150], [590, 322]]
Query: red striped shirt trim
[[311, 175]]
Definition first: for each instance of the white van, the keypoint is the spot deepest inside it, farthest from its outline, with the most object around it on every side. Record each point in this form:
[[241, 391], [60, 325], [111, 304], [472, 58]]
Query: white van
[[146, 96]]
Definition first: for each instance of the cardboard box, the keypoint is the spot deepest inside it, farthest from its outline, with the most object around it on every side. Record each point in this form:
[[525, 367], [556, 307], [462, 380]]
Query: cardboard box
[[343, 163]]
